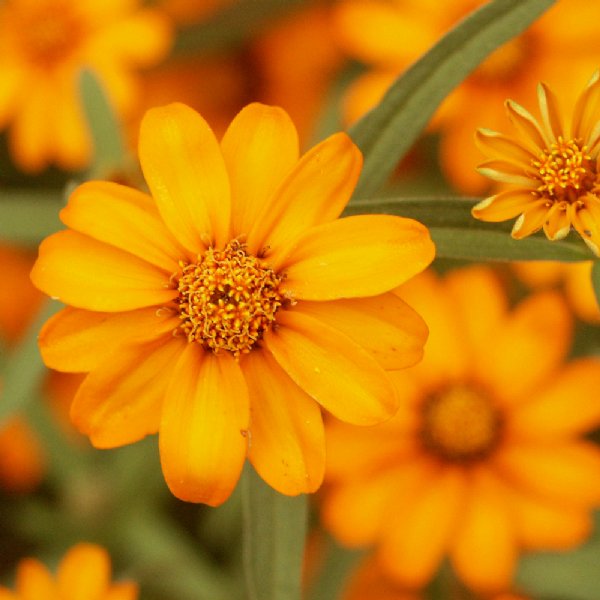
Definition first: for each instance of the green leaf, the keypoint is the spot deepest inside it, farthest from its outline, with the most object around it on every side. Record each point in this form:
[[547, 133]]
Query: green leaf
[[110, 152], [274, 535], [388, 131], [23, 370], [574, 575], [29, 216], [457, 235]]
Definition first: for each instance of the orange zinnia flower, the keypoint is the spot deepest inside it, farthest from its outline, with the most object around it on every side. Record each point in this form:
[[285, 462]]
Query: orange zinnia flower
[[218, 309], [560, 47], [485, 457], [83, 572], [550, 172], [44, 45]]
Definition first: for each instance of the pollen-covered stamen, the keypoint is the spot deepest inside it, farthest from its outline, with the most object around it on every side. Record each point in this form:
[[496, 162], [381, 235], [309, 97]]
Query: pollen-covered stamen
[[566, 171], [460, 424], [228, 299]]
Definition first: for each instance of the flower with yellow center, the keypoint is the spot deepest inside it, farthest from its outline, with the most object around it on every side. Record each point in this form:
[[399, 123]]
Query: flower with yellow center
[[486, 456], [44, 45], [550, 173], [225, 307], [387, 36], [83, 572]]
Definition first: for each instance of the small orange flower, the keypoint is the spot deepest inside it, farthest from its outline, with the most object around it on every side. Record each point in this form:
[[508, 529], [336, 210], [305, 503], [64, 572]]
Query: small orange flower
[[83, 572], [560, 47], [550, 173], [44, 45], [486, 456], [225, 307]]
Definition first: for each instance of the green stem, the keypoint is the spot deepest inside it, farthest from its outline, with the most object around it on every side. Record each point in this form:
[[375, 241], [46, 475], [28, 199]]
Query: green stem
[[274, 535]]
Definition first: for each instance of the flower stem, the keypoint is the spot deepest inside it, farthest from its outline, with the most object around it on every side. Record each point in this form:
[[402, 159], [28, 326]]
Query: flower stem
[[274, 535]]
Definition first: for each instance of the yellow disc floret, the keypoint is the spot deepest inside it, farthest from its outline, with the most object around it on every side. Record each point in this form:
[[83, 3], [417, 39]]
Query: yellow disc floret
[[565, 171], [460, 423], [228, 299]]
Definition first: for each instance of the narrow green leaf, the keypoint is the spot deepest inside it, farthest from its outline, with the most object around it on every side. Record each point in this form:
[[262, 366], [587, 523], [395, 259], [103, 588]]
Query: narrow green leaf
[[23, 370], [231, 26], [110, 152], [596, 280], [387, 132], [458, 235], [29, 216], [274, 535]]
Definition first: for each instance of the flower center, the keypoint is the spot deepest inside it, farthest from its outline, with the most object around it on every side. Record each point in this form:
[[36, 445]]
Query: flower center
[[566, 171], [228, 299], [460, 424], [48, 33]]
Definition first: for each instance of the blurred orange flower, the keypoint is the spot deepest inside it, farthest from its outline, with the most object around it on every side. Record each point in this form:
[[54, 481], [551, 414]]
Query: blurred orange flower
[[44, 45], [83, 572], [549, 173], [220, 308], [485, 457], [575, 279], [561, 47]]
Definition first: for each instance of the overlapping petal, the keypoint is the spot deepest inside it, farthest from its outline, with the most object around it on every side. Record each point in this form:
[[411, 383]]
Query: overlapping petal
[[84, 573], [343, 377], [384, 325], [34, 580], [191, 186], [260, 148], [357, 256], [120, 401], [204, 426], [286, 443], [85, 273]]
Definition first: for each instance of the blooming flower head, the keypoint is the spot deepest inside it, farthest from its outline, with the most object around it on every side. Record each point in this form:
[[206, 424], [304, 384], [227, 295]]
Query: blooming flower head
[[486, 456], [560, 47], [83, 572], [222, 309], [44, 45], [549, 172]]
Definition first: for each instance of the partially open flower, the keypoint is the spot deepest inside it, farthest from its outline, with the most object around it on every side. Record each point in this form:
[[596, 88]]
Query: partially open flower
[[549, 172]]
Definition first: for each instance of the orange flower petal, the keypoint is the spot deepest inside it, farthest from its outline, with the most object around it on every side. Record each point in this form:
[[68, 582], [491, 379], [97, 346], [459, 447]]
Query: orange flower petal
[[505, 205], [528, 347], [6, 594], [84, 573], [531, 220], [384, 325], [287, 442], [260, 147], [412, 551], [541, 525], [120, 401], [564, 472], [550, 112], [528, 127], [506, 172], [586, 221], [564, 406], [357, 256], [34, 580], [77, 341], [499, 146], [315, 192], [11, 83], [484, 550], [585, 113], [343, 377], [357, 511], [183, 166], [124, 218], [204, 427], [558, 222], [85, 273]]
